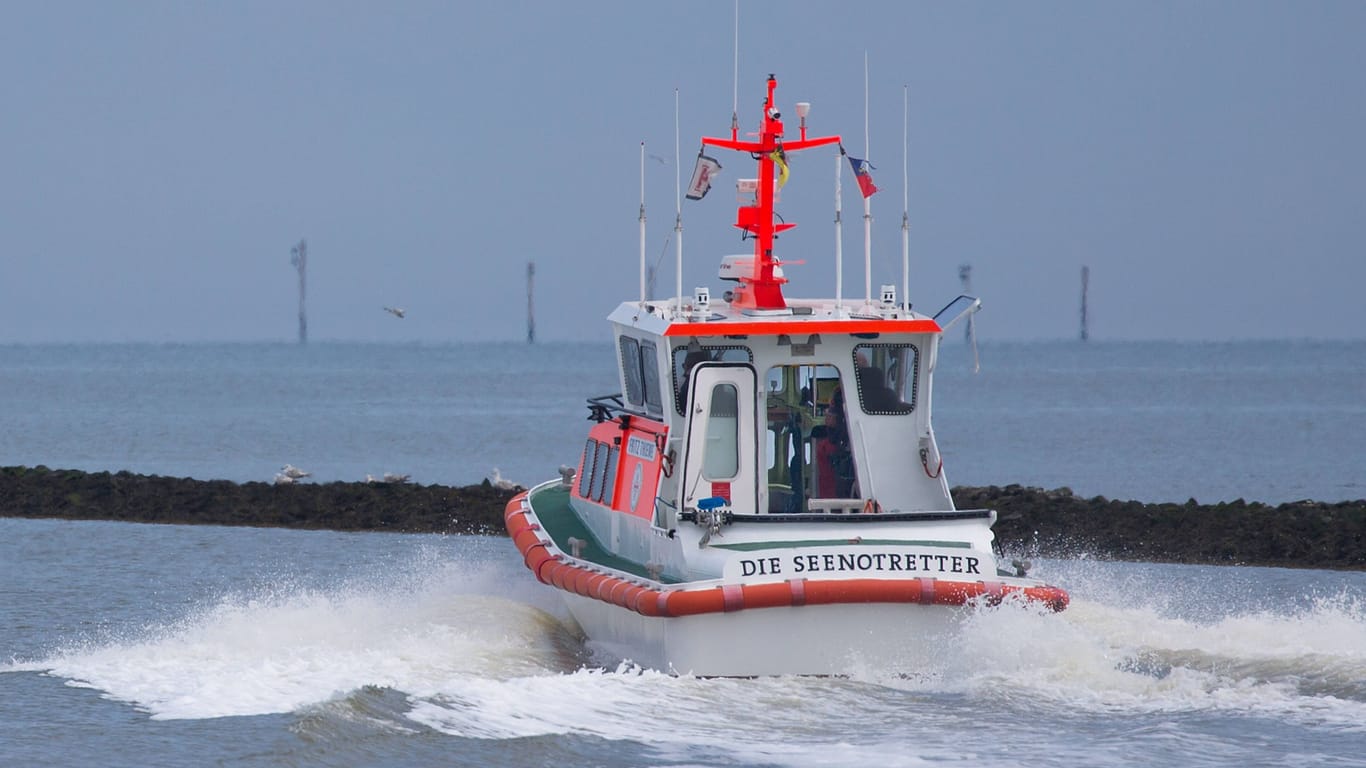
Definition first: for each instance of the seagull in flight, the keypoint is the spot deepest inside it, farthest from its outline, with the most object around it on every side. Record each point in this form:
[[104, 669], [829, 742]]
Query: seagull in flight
[[398, 312]]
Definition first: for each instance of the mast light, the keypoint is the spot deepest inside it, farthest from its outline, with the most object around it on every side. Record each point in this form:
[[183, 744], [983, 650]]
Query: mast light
[[803, 109]]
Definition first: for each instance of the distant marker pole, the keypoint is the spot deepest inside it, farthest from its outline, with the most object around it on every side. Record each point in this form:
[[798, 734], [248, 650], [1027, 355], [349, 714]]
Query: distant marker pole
[[530, 304], [1085, 279], [298, 256], [965, 277]]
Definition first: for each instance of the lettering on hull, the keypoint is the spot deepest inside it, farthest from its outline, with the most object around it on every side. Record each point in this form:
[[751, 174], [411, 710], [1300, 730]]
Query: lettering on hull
[[641, 448], [889, 563]]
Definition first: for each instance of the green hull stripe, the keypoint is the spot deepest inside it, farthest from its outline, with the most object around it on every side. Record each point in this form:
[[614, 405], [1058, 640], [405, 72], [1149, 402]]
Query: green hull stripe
[[803, 543]]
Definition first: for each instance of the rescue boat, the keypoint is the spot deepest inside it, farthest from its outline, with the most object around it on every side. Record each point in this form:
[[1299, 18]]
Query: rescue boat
[[765, 494]]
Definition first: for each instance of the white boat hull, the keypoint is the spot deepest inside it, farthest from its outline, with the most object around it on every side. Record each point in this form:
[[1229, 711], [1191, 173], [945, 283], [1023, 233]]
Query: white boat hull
[[830, 639]]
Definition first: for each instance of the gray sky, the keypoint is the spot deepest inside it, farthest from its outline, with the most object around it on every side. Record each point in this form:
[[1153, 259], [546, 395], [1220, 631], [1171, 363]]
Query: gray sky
[[159, 159]]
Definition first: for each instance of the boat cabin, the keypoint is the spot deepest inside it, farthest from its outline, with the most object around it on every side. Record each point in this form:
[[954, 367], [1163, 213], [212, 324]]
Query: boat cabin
[[757, 406], [811, 410]]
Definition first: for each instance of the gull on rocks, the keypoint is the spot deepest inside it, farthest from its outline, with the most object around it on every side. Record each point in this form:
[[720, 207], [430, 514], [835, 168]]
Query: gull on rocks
[[283, 479], [293, 473], [497, 480], [389, 477]]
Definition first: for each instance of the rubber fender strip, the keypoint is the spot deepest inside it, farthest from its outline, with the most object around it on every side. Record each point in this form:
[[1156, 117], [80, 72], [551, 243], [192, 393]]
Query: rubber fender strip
[[661, 605], [536, 558], [615, 592], [596, 585], [694, 602], [514, 506], [775, 594], [733, 597], [550, 569], [648, 603], [1054, 597], [993, 592], [580, 581], [926, 590], [525, 539], [956, 592]]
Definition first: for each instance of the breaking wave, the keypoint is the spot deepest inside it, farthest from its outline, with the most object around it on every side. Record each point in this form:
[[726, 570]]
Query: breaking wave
[[463, 649]]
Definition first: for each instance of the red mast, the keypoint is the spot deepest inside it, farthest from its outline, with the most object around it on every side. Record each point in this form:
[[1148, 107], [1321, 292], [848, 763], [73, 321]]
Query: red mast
[[762, 289]]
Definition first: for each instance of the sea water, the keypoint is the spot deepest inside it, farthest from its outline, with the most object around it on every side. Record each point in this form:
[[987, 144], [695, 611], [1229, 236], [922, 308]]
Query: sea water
[[1152, 421], [138, 645], [141, 645]]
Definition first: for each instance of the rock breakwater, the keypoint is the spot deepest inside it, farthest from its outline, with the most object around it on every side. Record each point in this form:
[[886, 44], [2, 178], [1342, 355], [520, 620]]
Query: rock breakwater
[[1032, 522]]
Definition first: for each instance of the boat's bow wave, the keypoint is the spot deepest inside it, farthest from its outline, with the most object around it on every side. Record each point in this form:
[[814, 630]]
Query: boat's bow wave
[[407, 655], [290, 648], [1013, 657], [1305, 665]]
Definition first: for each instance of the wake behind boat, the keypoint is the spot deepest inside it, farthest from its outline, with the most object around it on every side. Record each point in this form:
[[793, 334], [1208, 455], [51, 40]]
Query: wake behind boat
[[765, 494]]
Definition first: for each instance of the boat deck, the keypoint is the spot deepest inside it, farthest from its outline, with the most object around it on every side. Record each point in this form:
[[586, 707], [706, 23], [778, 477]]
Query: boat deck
[[557, 518]]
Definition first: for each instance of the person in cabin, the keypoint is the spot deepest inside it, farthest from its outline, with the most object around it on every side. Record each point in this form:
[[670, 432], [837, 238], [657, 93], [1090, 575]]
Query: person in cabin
[[834, 461], [690, 361], [874, 393]]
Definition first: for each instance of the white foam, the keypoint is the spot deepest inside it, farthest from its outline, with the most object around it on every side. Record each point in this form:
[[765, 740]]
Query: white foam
[[270, 653], [1308, 666], [475, 663], [767, 720]]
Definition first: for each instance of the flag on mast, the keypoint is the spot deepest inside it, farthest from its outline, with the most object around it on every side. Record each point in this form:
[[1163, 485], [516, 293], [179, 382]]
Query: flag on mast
[[862, 175], [779, 159], [702, 174]]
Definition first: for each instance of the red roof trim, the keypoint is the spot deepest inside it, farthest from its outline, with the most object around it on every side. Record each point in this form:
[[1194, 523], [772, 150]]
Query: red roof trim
[[787, 325]]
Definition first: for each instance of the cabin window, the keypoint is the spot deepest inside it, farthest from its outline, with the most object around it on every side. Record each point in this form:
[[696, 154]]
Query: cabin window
[[808, 437], [887, 378], [609, 486], [590, 452], [602, 457], [649, 367], [630, 371], [686, 358], [640, 373], [722, 460]]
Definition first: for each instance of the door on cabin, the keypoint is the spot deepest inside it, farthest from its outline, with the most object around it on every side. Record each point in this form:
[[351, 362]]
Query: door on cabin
[[720, 454]]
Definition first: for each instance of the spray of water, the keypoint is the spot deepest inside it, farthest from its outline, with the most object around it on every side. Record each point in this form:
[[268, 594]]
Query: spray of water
[[458, 648]]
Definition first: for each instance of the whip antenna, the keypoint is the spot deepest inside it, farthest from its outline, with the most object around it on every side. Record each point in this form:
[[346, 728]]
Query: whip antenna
[[867, 200], [905, 199], [839, 235], [735, 80], [642, 224], [678, 215]]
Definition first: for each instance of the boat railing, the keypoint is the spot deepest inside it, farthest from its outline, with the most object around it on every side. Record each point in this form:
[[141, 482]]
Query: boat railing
[[726, 517], [606, 407]]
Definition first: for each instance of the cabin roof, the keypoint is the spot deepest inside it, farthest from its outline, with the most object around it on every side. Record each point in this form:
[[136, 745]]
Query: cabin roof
[[801, 317]]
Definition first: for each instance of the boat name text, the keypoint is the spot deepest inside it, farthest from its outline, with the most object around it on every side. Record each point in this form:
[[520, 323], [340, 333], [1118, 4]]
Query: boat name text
[[844, 562], [640, 448]]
